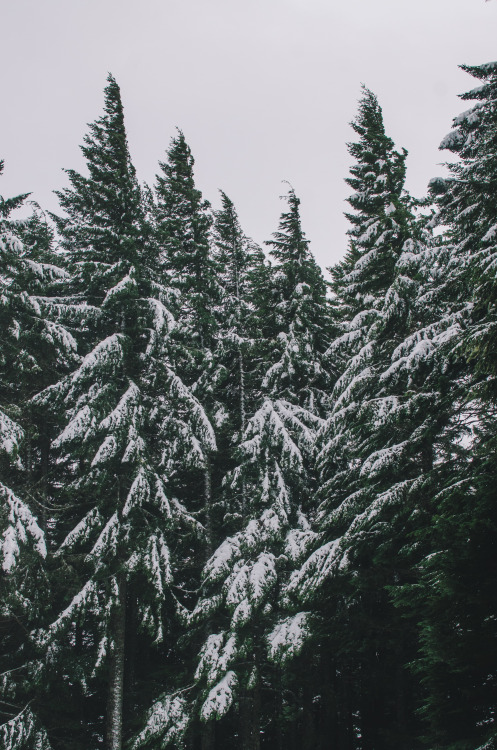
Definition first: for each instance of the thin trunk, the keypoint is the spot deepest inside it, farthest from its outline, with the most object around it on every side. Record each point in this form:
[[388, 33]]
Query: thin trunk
[[208, 738], [250, 710], [130, 655], [242, 420], [309, 739], [242, 389], [116, 670], [45, 463], [209, 541]]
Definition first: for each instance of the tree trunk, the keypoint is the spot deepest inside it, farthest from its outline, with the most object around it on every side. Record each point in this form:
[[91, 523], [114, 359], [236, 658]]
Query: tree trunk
[[208, 738], [116, 670], [45, 468], [209, 541], [250, 709], [309, 739]]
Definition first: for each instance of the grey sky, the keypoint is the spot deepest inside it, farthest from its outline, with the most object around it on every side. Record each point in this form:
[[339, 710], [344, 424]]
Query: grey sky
[[263, 90]]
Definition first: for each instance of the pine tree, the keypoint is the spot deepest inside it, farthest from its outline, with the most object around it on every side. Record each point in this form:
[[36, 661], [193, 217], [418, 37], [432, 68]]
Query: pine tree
[[130, 422], [35, 346], [236, 258], [183, 223], [455, 596], [242, 578], [369, 452]]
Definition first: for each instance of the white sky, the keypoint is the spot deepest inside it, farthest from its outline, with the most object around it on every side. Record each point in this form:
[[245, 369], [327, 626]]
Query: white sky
[[263, 90]]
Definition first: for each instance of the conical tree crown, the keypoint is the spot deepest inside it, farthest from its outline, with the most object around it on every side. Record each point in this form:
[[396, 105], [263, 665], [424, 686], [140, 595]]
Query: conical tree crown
[[301, 315], [183, 216], [110, 196], [290, 248], [183, 222], [381, 221]]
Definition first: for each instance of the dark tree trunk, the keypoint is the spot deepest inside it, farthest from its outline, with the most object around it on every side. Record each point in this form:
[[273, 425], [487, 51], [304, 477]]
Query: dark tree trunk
[[250, 710], [309, 739], [208, 737], [116, 670]]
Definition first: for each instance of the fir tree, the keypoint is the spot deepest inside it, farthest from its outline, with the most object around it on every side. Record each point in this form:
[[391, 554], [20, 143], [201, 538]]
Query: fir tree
[[129, 423], [242, 578], [455, 594], [369, 453], [35, 346], [183, 223]]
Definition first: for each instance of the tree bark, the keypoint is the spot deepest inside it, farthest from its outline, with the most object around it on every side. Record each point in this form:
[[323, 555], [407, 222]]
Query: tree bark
[[250, 709], [116, 670], [208, 738], [209, 541]]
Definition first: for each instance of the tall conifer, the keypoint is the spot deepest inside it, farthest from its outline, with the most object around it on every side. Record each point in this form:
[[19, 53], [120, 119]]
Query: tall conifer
[[129, 422]]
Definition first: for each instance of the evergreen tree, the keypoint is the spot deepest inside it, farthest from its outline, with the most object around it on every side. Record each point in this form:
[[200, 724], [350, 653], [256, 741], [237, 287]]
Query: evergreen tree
[[455, 596], [183, 223], [183, 232], [274, 476], [34, 347], [369, 452], [129, 423]]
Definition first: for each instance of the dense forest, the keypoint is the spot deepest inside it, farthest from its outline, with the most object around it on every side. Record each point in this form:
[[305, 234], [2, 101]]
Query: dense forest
[[241, 506]]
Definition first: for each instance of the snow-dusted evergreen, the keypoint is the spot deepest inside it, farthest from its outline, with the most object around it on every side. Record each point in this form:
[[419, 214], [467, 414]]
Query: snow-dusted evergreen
[[34, 347], [242, 579], [130, 422], [233, 512], [459, 616], [376, 445]]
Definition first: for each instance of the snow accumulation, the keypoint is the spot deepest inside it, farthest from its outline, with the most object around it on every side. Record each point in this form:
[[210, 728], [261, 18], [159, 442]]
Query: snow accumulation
[[288, 637], [298, 542], [452, 140], [215, 657], [82, 530], [58, 335], [382, 459], [11, 434], [202, 422], [23, 731], [138, 494], [223, 558], [220, 697], [21, 525], [78, 428], [166, 722], [121, 288], [107, 539], [106, 354], [316, 569], [86, 596], [491, 234], [125, 410]]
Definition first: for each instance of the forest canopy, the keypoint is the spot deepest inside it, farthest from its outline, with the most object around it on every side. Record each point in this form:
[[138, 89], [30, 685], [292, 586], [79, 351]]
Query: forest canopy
[[242, 506]]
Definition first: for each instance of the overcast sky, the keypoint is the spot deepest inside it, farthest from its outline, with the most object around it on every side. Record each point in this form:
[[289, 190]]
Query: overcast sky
[[263, 90]]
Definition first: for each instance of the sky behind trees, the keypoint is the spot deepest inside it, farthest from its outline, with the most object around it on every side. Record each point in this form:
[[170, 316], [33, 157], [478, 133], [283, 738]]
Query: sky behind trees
[[263, 90]]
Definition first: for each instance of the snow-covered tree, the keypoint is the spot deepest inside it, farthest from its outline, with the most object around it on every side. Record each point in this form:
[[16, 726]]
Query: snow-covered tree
[[34, 348], [183, 222], [454, 598], [130, 423], [242, 579], [237, 260], [372, 446]]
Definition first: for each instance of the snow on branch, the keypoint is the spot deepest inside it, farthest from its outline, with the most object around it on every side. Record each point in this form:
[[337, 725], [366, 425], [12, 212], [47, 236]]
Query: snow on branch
[[287, 639], [21, 525], [220, 698], [166, 723]]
